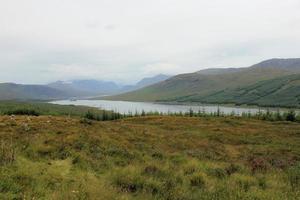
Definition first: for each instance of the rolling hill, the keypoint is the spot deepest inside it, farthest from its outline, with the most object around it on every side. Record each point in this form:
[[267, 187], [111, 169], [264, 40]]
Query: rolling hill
[[11, 91], [202, 86], [283, 91]]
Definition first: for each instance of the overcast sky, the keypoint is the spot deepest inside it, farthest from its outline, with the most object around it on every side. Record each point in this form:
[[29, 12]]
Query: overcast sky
[[125, 40]]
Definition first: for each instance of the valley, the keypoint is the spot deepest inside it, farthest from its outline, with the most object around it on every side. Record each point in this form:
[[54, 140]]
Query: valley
[[149, 100]]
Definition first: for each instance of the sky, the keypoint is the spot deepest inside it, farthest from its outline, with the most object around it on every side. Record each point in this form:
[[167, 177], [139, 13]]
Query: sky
[[125, 40]]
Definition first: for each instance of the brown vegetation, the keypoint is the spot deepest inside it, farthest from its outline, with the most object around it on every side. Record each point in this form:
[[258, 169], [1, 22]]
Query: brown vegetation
[[159, 157]]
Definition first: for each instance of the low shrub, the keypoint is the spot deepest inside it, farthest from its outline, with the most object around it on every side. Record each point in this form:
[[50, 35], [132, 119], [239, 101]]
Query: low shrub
[[294, 176], [262, 183], [290, 116], [8, 184], [189, 170], [197, 181], [258, 164], [7, 153], [151, 170], [245, 184], [86, 121], [128, 181], [217, 172], [232, 168], [157, 155], [22, 111], [103, 116]]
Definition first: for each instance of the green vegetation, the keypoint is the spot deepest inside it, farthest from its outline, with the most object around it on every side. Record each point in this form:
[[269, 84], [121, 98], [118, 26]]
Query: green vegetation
[[103, 116], [11, 91], [89, 113], [46, 154], [148, 157], [22, 111], [283, 91], [186, 85], [271, 83], [40, 108], [290, 115]]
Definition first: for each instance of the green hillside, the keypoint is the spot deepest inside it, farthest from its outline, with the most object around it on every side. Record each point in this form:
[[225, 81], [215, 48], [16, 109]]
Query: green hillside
[[204, 87], [283, 91], [198, 84]]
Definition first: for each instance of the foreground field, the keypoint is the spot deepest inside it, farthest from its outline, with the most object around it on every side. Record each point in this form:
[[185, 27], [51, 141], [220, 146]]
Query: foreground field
[[160, 157]]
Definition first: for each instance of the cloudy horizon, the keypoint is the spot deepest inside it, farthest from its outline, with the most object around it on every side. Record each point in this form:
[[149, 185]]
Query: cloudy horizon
[[124, 41]]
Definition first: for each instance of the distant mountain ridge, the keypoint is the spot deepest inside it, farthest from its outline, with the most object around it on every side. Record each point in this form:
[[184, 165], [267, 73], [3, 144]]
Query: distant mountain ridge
[[145, 82], [215, 71], [86, 87], [274, 82], [290, 64], [68, 89], [12, 91], [198, 86], [98, 87], [152, 80]]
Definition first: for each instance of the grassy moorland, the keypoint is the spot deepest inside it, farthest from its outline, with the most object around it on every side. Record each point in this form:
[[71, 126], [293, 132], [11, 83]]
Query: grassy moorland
[[40, 108], [158, 157]]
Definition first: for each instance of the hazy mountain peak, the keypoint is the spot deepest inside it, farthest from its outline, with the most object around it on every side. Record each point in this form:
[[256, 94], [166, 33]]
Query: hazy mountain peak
[[152, 80], [279, 63], [215, 71]]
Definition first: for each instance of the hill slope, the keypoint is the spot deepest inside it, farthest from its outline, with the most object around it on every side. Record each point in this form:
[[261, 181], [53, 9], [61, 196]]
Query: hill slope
[[283, 91], [144, 83], [151, 80], [11, 91], [201, 85]]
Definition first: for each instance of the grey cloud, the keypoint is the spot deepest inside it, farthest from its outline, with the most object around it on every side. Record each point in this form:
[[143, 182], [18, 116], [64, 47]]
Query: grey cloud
[[42, 41]]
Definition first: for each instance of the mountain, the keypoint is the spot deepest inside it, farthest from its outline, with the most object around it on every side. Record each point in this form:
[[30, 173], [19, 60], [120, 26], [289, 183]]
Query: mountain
[[55, 90], [291, 64], [83, 88], [11, 91], [96, 86], [86, 87], [145, 82], [282, 91], [199, 86], [67, 86], [215, 71], [151, 80], [68, 89]]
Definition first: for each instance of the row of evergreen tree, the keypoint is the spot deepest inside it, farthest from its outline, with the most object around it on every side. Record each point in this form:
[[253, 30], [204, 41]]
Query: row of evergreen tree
[[268, 115]]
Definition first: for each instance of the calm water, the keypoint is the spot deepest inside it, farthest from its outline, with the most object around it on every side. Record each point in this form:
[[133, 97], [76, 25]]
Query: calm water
[[126, 107]]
